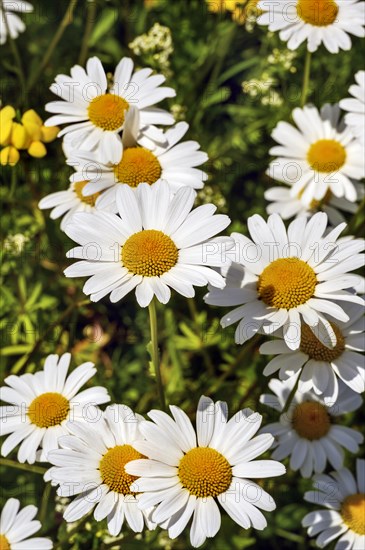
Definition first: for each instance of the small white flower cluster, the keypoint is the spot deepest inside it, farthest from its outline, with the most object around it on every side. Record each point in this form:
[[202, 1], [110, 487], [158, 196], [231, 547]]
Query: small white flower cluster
[[156, 45], [14, 244], [283, 58], [263, 89]]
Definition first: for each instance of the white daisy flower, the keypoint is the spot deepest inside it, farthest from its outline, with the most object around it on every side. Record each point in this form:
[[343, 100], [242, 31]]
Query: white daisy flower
[[309, 432], [66, 203], [155, 244], [185, 473], [318, 21], [143, 161], [282, 277], [91, 464], [318, 366], [287, 206], [320, 156], [355, 119], [16, 526], [95, 114], [42, 403], [344, 519], [15, 24]]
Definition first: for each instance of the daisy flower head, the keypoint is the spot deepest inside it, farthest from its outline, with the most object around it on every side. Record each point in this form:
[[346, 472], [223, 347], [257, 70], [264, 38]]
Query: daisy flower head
[[41, 404], [90, 463], [355, 118], [283, 277], [318, 157], [95, 112], [343, 519], [318, 366], [317, 21], [16, 526], [187, 472], [283, 203], [144, 160], [65, 204], [9, 21], [309, 432], [154, 244]]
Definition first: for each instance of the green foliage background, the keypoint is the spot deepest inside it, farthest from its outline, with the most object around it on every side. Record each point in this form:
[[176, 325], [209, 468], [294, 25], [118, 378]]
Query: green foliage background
[[43, 312]]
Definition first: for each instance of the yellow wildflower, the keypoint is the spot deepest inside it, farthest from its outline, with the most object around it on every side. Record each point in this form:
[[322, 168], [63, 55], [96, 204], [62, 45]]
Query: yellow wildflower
[[29, 134], [242, 10]]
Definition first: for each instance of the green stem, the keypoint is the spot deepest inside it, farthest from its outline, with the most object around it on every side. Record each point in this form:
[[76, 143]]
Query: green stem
[[155, 354], [206, 357], [13, 181], [66, 20], [90, 19], [14, 50], [19, 466], [291, 396], [306, 77], [44, 504], [356, 220]]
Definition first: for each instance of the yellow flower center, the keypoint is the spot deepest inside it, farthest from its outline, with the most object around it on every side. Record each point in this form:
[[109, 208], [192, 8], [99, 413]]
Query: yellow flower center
[[310, 345], [90, 199], [107, 111], [48, 409], [138, 165], [326, 155], [319, 13], [112, 469], [4, 544], [286, 283], [311, 420], [149, 253], [204, 472], [353, 513]]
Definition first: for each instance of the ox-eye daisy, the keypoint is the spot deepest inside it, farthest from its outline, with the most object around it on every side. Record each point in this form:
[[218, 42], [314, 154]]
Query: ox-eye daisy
[[308, 432], [186, 473], [66, 203], [155, 244], [317, 158], [355, 119], [344, 519], [283, 276], [91, 464], [42, 403], [143, 161], [95, 114], [287, 206], [14, 23], [319, 366], [16, 526], [327, 21]]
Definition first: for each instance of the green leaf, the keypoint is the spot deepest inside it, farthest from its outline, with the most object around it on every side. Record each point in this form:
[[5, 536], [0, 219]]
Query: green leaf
[[236, 69], [16, 350], [104, 24], [34, 296]]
